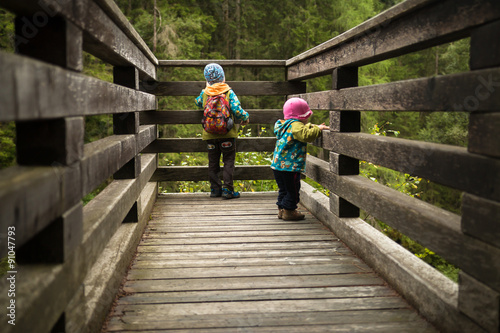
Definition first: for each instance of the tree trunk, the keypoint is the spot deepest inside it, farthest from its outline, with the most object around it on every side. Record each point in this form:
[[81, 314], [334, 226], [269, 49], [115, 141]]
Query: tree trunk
[[154, 27]]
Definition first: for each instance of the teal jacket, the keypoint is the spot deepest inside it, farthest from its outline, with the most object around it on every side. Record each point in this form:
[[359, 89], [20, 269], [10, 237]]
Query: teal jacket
[[291, 145]]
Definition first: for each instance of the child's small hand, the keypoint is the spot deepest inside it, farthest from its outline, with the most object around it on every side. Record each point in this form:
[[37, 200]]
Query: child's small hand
[[323, 127], [243, 123]]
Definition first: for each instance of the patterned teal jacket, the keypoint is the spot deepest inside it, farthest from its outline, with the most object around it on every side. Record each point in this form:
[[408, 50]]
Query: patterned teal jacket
[[291, 145]]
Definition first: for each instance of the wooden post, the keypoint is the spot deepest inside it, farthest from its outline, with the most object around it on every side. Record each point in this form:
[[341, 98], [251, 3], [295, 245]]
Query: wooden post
[[53, 142], [128, 123], [344, 121], [480, 217]]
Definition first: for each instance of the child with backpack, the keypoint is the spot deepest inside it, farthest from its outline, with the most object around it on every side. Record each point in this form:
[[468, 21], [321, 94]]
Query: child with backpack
[[289, 158], [221, 109]]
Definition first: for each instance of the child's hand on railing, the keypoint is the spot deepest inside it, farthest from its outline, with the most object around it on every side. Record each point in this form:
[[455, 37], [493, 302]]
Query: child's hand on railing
[[243, 123], [323, 127]]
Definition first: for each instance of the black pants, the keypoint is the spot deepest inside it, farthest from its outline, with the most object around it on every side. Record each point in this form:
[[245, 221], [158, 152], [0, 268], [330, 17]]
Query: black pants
[[216, 148], [289, 188]]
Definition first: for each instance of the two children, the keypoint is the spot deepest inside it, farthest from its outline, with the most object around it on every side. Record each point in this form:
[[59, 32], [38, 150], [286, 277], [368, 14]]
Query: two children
[[289, 158], [221, 144]]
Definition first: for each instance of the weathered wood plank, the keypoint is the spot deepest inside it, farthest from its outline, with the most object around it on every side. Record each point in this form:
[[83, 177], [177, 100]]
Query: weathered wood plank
[[388, 35], [158, 234], [32, 197], [223, 63], [105, 213], [241, 172], [483, 133], [241, 88], [264, 116], [280, 246], [339, 252], [104, 157], [176, 145], [448, 165], [257, 294], [480, 219], [479, 302], [431, 226], [114, 12], [237, 241], [386, 321], [175, 226], [243, 262], [257, 282], [469, 91], [149, 311], [62, 93], [102, 36]]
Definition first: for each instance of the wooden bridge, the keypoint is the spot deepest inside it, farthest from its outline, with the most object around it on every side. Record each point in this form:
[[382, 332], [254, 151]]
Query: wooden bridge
[[248, 270]]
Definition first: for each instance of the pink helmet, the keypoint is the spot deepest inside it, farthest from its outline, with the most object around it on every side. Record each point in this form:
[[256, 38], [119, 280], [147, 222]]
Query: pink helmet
[[296, 108]]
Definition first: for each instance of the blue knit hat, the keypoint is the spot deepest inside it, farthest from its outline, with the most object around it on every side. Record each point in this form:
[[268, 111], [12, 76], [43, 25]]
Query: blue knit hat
[[213, 73]]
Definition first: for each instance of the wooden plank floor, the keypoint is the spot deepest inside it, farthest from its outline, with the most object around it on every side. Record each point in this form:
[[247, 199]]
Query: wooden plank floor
[[212, 265]]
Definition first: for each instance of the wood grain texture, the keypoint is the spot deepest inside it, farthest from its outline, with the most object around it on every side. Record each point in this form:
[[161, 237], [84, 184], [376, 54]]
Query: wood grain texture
[[470, 91], [263, 116], [101, 35], [445, 164], [223, 63], [198, 145], [244, 284], [241, 88], [61, 93], [194, 173]]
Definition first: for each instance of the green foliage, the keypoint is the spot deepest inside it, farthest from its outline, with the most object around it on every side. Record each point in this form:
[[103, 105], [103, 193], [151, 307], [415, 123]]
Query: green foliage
[[86, 199], [7, 144], [4, 266], [6, 31]]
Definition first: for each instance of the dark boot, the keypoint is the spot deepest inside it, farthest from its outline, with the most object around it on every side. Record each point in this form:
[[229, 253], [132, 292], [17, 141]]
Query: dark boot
[[292, 215]]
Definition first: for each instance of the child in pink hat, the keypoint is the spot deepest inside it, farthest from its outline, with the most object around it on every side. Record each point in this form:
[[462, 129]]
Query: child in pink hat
[[289, 158]]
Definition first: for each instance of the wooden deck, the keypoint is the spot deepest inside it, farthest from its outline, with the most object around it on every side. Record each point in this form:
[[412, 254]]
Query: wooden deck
[[211, 265]]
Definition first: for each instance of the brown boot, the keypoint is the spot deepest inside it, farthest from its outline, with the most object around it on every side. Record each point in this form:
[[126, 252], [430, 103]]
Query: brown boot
[[292, 215], [280, 213]]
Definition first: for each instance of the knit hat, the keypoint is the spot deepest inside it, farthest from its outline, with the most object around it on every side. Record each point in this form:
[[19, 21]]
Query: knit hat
[[296, 108], [213, 73]]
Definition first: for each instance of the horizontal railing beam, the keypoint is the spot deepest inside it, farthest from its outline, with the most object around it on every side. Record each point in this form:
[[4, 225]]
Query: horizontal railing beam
[[445, 164], [241, 88], [468, 91], [176, 145], [102, 36], [61, 93], [104, 157], [264, 116], [223, 63], [200, 173]]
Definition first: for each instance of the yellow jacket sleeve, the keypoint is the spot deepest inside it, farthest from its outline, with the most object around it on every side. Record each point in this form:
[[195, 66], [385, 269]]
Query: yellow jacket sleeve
[[305, 133]]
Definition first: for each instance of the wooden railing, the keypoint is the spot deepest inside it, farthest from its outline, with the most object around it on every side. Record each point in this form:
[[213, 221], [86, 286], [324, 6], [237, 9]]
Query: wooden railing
[[469, 241], [71, 258]]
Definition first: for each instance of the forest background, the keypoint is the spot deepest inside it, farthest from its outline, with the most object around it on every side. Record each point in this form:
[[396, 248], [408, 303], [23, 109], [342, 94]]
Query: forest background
[[263, 29]]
